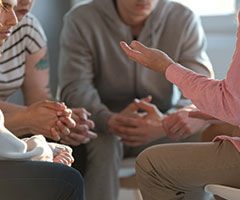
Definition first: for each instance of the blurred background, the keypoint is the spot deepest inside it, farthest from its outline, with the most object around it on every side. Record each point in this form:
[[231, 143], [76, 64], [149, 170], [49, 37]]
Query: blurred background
[[218, 19]]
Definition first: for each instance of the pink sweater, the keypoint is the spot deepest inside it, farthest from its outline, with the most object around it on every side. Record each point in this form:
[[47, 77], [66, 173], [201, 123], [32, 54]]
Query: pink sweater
[[218, 98]]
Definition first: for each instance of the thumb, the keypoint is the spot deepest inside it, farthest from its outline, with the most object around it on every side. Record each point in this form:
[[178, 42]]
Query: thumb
[[146, 106], [200, 115], [131, 108], [147, 99]]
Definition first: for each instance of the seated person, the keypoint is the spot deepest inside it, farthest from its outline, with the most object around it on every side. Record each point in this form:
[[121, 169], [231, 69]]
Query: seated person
[[180, 171], [25, 66], [32, 179], [94, 74], [33, 148]]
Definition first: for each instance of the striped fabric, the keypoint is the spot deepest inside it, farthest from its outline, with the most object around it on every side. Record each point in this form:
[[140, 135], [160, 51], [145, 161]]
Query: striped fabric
[[27, 38]]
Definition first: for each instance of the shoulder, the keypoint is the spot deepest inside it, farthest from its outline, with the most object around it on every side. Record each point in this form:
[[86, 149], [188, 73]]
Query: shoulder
[[82, 13], [29, 21], [29, 25], [182, 14]]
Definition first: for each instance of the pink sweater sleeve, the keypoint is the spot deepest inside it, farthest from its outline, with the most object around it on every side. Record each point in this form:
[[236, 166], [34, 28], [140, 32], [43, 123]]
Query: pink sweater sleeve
[[218, 98]]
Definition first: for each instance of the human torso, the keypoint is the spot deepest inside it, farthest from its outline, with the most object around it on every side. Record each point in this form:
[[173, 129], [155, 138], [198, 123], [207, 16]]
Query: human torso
[[118, 79]]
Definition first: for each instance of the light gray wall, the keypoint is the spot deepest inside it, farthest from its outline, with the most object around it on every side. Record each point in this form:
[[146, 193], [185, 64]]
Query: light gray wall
[[221, 37], [50, 14]]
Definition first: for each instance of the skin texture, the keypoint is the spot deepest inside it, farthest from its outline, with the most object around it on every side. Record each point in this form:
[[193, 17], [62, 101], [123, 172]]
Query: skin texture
[[22, 8], [71, 126], [153, 59], [135, 12], [177, 125], [7, 19]]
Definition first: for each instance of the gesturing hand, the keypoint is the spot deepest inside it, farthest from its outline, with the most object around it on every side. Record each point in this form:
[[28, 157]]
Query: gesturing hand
[[149, 57]]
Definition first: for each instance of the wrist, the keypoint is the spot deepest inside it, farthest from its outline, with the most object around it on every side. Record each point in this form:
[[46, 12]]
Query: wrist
[[101, 121], [110, 121], [167, 65], [162, 131], [18, 122]]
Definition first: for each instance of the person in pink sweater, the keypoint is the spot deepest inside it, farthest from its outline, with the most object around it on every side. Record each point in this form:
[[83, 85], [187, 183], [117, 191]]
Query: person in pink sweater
[[180, 171]]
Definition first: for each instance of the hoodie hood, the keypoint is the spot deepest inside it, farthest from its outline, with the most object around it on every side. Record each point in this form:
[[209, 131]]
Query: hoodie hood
[[154, 22]]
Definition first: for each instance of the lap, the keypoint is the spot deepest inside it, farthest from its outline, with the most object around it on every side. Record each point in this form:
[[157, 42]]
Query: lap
[[194, 163], [37, 180]]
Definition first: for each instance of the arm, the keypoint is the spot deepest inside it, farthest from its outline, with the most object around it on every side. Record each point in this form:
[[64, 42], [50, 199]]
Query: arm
[[35, 87], [77, 73], [218, 98], [192, 53], [38, 118], [12, 148], [36, 82], [214, 97]]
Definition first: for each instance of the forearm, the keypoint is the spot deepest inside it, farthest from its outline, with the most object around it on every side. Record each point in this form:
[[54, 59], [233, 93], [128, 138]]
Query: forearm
[[210, 96], [40, 95], [36, 85], [7, 107], [17, 122], [15, 118]]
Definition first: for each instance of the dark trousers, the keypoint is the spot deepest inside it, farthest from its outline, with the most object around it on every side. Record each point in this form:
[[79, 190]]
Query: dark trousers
[[31, 180]]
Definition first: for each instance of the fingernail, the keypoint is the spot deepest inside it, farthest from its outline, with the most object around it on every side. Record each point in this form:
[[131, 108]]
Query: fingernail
[[58, 138]]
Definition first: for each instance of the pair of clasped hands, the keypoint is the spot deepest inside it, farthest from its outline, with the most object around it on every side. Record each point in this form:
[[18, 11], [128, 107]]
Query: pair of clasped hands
[[59, 123], [141, 122]]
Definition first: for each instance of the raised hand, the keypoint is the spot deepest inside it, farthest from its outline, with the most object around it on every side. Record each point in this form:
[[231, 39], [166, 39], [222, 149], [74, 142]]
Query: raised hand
[[151, 58]]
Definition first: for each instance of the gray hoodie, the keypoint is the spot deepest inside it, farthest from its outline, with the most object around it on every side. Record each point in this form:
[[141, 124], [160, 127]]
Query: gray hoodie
[[95, 73]]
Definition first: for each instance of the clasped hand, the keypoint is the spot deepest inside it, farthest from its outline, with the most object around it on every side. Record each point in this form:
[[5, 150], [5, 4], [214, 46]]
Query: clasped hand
[[54, 120], [134, 127]]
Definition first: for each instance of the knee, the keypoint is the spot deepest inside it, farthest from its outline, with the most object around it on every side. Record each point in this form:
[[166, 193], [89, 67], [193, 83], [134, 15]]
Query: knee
[[74, 178], [149, 162], [143, 163], [74, 183]]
